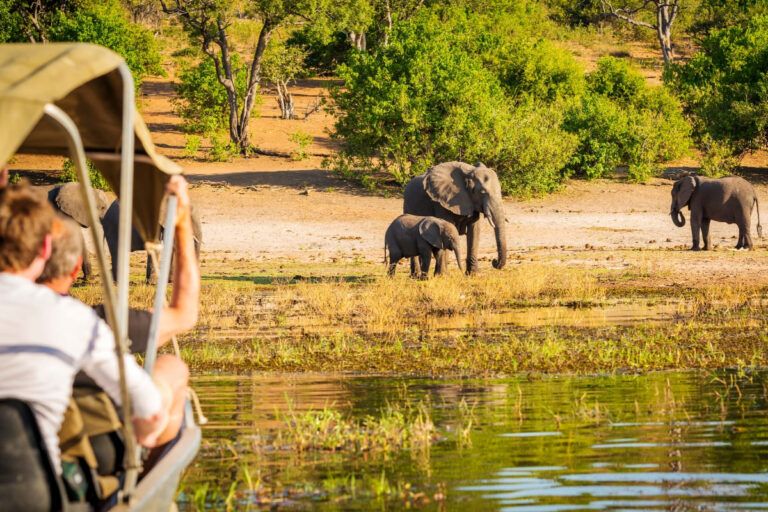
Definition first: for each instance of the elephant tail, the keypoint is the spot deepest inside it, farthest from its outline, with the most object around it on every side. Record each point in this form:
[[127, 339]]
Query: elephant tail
[[385, 253], [759, 226]]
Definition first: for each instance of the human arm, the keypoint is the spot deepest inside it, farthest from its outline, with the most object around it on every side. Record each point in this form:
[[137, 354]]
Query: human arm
[[149, 403], [182, 312]]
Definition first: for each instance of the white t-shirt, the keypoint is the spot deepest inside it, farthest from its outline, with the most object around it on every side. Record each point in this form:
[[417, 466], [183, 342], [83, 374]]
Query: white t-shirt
[[44, 340]]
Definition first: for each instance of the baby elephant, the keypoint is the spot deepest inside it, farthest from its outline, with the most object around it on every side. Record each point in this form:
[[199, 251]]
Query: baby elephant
[[412, 235]]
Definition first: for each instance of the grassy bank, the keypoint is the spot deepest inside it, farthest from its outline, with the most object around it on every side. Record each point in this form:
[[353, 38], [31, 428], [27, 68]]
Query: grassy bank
[[535, 316]]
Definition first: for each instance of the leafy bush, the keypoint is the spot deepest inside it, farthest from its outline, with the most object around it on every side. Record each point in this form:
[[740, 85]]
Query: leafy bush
[[718, 159], [427, 98], [106, 23], [536, 68], [302, 141], [202, 101], [222, 150], [192, 146], [725, 86], [623, 121], [69, 174]]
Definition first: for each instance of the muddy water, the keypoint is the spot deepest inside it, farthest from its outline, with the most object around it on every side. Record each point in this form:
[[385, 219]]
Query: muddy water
[[667, 441]]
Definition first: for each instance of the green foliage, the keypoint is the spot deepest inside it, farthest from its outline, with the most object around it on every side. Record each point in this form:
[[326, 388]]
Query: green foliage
[[427, 98], [718, 159], [106, 23], [192, 146], [14, 178], [322, 56], [725, 85], [282, 63], [222, 150], [202, 101], [103, 22], [302, 141], [69, 174], [538, 69], [623, 121]]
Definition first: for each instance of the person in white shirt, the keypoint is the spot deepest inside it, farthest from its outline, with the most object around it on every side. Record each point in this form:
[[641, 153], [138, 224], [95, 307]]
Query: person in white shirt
[[45, 338]]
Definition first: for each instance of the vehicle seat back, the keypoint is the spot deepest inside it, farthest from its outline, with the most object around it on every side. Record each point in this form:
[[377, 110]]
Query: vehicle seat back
[[27, 479]]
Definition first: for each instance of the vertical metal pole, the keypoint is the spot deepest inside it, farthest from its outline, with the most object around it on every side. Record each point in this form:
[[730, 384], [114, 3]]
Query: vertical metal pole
[[162, 282], [132, 451], [126, 201]]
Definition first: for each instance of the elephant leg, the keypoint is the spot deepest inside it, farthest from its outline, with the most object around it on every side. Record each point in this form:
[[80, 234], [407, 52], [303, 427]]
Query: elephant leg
[[747, 229], [394, 259], [426, 262], [439, 262], [705, 234], [740, 242], [425, 257], [695, 231], [414, 271], [473, 244], [392, 266]]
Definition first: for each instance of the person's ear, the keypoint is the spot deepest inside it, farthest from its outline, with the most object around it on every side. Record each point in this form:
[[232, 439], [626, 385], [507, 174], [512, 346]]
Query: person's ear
[[46, 248], [76, 270]]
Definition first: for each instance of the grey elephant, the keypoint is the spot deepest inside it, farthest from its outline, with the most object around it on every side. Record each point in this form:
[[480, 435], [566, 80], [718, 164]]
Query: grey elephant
[[727, 200], [458, 193], [66, 199], [110, 223], [411, 236]]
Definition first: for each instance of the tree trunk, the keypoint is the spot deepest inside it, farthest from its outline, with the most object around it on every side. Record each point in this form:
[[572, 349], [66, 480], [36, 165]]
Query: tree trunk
[[665, 15], [357, 40], [285, 101], [254, 77]]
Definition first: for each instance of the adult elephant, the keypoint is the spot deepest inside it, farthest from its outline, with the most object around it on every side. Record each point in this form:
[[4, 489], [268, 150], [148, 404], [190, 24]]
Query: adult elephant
[[727, 200], [459, 192], [111, 221], [67, 200]]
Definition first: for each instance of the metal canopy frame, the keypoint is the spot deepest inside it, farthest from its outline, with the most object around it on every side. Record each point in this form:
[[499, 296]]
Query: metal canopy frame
[[116, 304]]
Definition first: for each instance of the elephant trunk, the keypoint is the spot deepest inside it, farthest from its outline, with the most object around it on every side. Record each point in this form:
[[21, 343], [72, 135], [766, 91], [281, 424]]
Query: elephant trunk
[[677, 216], [458, 258], [495, 213]]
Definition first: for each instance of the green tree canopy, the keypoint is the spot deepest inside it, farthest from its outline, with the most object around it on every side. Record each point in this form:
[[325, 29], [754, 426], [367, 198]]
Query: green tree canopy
[[725, 85]]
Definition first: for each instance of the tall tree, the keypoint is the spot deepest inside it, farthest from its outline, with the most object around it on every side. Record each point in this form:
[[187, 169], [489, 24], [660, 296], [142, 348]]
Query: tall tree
[[664, 12], [207, 23]]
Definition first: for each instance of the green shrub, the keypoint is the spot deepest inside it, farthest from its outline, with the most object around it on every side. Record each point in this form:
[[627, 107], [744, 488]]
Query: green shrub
[[302, 141], [725, 85], [537, 69], [427, 98], [718, 158], [202, 101], [222, 150], [623, 121], [69, 174], [107, 23], [616, 79], [192, 146]]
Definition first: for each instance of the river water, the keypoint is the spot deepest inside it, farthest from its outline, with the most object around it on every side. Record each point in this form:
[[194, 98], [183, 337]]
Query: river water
[[666, 441]]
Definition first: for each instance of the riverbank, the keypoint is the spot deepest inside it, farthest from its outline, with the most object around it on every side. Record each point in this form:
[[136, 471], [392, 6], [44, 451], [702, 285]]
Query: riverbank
[[582, 313]]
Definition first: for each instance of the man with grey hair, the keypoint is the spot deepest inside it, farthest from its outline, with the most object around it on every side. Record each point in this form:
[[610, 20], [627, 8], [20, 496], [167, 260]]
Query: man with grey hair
[[66, 257]]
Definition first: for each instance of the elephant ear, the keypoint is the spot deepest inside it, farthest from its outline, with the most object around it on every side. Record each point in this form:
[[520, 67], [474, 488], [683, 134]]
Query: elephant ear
[[430, 231], [102, 202], [687, 187], [446, 184], [70, 203]]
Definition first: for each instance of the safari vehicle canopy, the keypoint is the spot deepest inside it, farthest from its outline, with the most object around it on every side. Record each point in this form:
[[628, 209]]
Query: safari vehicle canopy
[[77, 100]]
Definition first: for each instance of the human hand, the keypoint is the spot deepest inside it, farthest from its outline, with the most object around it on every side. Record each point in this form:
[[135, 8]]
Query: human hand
[[3, 177]]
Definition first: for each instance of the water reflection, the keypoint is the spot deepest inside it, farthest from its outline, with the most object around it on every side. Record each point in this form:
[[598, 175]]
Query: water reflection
[[677, 441]]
